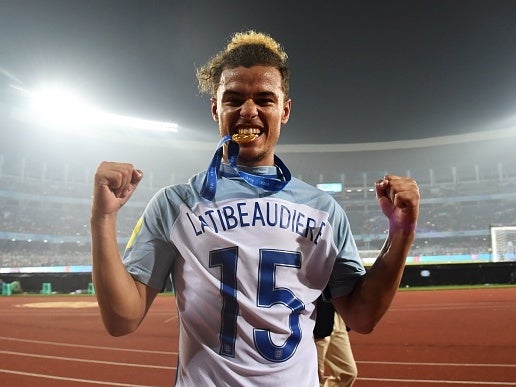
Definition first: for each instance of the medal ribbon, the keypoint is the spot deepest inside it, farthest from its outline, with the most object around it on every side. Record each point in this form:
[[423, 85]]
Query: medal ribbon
[[209, 186]]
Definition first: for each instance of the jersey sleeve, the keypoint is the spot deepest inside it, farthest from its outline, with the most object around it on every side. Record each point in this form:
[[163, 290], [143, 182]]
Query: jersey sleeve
[[348, 267], [149, 254]]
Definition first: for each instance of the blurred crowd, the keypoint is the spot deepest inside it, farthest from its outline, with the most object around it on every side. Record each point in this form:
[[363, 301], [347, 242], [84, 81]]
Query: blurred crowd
[[46, 223]]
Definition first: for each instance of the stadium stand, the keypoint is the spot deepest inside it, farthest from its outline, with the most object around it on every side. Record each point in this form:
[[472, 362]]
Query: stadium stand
[[44, 211], [466, 185]]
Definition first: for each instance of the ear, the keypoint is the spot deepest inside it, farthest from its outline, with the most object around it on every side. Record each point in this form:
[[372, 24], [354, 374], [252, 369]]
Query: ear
[[287, 105], [214, 112]]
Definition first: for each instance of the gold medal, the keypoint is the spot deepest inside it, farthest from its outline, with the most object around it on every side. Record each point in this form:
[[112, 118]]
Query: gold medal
[[242, 138]]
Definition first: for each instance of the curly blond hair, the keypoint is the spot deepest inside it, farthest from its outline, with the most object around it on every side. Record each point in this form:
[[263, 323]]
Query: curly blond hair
[[248, 48]]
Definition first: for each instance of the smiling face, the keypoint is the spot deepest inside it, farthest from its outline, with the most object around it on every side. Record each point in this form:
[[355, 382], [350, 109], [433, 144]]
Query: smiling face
[[252, 100]]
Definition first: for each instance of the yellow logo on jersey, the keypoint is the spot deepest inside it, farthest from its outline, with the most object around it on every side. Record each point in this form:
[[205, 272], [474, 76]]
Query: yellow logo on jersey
[[135, 233]]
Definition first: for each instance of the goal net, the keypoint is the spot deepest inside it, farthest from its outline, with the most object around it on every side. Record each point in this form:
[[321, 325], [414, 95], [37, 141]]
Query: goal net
[[503, 241]]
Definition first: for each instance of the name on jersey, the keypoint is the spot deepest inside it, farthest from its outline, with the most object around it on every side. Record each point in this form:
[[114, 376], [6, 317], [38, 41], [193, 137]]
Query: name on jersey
[[258, 213]]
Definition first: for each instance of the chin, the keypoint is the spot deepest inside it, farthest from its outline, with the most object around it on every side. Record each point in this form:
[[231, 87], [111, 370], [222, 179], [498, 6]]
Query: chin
[[254, 159]]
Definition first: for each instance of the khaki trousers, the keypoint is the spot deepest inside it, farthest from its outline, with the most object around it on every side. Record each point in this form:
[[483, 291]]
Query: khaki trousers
[[335, 357]]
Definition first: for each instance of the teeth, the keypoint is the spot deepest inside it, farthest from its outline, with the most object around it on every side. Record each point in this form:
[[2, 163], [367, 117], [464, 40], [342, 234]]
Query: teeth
[[245, 135], [249, 131]]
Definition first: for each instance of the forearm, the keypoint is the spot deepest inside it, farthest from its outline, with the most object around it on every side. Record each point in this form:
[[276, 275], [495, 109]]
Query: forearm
[[121, 304], [373, 295]]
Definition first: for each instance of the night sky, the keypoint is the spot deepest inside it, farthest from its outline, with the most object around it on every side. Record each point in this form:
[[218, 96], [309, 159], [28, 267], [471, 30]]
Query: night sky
[[362, 71]]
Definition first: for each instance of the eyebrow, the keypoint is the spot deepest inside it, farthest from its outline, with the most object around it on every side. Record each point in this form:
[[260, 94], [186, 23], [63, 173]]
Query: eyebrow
[[261, 94]]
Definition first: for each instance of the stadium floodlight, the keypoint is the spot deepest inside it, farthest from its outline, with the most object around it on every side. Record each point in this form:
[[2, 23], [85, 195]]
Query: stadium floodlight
[[137, 123], [59, 107]]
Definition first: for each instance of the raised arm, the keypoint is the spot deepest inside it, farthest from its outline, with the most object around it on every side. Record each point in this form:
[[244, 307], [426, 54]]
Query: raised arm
[[123, 301], [398, 198]]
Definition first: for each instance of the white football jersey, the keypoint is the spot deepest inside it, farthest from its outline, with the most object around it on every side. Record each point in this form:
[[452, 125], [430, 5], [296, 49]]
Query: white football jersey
[[247, 269]]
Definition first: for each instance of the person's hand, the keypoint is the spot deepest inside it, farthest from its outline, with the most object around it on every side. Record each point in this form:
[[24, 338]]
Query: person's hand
[[113, 186], [399, 199]]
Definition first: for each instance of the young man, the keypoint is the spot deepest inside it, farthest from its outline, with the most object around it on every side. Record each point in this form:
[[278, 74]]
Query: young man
[[249, 248]]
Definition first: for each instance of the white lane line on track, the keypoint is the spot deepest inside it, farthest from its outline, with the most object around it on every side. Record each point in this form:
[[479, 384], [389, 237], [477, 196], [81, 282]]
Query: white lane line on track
[[104, 383], [175, 353], [87, 346], [436, 364], [24, 354], [67, 313], [173, 318], [450, 307], [439, 382]]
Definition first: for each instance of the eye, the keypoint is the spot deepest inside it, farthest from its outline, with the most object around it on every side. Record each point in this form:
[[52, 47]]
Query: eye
[[233, 101], [265, 101]]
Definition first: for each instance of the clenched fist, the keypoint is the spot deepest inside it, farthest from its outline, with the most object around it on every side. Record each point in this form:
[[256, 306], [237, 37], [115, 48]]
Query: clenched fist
[[113, 186], [399, 199]]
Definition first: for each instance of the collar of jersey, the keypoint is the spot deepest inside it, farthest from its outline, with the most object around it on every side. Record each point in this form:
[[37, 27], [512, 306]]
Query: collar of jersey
[[272, 171]]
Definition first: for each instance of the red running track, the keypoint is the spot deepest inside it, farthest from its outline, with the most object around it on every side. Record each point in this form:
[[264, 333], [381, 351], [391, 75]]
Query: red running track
[[428, 338]]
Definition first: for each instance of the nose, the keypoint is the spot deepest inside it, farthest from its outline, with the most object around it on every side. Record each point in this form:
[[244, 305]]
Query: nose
[[249, 109]]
